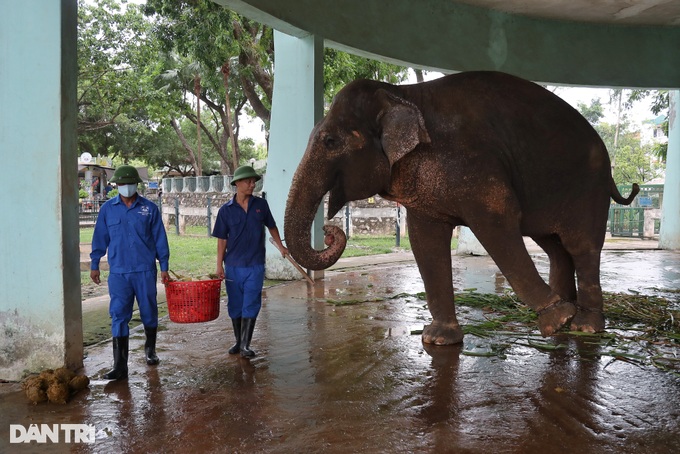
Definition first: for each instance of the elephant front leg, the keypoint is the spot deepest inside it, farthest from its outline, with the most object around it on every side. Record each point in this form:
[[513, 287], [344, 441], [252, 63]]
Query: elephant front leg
[[431, 244]]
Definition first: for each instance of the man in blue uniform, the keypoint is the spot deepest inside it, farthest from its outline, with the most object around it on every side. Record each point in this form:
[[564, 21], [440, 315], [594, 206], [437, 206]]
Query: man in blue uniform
[[130, 228], [239, 229]]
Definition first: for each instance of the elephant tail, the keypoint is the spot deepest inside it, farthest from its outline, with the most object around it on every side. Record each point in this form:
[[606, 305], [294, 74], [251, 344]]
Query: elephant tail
[[618, 198]]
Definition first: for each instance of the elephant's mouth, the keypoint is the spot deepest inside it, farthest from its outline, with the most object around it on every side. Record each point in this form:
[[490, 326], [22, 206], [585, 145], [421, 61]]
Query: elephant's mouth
[[336, 200]]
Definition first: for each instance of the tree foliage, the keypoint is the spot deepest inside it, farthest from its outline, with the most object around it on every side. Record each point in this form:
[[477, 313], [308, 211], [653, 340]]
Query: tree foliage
[[113, 57], [341, 68], [632, 161], [144, 68], [593, 112], [660, 106]]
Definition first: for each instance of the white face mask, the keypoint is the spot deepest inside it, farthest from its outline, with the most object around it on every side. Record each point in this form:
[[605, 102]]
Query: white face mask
[[127, 190]]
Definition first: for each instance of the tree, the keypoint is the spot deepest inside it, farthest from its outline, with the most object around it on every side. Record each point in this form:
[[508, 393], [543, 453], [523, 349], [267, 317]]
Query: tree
[[631, 161], [212, 37], [340, 68], [634, 163], [140, 68], [593, 113], [113, 56], [660, 105], [242, 53]]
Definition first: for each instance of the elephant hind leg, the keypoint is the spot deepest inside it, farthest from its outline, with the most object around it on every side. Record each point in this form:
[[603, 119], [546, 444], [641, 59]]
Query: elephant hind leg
[[505, 244], [590, 316], [562, 278]]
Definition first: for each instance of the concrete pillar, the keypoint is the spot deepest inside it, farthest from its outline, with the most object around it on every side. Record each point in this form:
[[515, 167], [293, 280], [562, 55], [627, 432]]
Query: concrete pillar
[[669, 236], [296, 106], [40, 308], [468, 244]]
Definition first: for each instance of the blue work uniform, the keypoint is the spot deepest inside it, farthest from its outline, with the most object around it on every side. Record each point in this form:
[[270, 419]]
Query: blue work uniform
[[135, 238], [245, 256]]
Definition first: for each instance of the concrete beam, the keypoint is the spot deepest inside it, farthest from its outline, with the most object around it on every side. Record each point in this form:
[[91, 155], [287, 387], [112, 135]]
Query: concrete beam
[[451, 36]]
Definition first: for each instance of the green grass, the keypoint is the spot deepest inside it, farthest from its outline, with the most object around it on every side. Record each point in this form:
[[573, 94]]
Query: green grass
[[361, 245], [191, 254], [194, 252]]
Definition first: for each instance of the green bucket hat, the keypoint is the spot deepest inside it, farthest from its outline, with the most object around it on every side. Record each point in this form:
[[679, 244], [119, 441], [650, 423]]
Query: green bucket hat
[[244, 172], [126, 175]]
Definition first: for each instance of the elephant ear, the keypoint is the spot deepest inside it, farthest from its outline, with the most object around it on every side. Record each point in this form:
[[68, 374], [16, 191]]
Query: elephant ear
[[403, 126]]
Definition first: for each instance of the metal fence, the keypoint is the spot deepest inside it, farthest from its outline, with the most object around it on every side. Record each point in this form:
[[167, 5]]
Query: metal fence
[[641, 219], [628, 222], [88, 210]]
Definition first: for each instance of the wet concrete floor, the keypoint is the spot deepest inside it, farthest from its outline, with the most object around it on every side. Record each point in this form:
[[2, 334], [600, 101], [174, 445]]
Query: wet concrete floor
[[353, 378]]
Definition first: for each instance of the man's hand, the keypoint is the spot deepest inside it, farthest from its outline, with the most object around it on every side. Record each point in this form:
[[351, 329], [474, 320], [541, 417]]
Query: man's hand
[[220, 271], [165, 277], [94, 275]]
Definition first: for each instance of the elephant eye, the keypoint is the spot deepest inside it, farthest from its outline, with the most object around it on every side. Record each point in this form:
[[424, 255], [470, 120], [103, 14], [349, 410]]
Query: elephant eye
[[330, 142]]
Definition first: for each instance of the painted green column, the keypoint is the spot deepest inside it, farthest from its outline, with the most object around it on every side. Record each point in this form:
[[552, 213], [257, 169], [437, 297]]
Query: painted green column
[[297, 105], [40, 308], [669, 236]]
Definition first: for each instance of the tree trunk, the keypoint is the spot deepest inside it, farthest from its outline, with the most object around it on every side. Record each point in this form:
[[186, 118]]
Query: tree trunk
[[185, 143], [234, 149], [197, 92], [419, 75]]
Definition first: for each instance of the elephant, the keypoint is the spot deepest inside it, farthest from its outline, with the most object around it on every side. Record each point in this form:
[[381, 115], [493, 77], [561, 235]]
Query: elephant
[[483, 149]]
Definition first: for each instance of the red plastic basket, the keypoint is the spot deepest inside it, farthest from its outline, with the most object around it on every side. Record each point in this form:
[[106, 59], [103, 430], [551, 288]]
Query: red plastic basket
[[193, 301]]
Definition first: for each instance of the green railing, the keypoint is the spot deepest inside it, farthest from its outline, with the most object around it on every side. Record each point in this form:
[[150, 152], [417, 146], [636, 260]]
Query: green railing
[[627, 222]]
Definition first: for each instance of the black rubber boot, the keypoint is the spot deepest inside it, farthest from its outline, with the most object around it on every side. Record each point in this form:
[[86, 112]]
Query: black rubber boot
[[247, 328], [150, 346], [121, 346], [236, 323]]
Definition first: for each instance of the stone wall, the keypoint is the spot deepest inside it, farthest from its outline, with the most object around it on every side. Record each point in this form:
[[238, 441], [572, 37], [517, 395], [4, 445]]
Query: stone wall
[[372, 216]]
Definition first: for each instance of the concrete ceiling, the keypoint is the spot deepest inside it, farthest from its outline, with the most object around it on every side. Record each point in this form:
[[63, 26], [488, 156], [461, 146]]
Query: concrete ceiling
[[612, 43], [628, 12]]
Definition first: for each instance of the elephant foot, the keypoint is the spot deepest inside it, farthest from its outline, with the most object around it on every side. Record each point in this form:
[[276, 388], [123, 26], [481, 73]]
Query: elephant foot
[[588, 321], [554, 316], [439, 333]]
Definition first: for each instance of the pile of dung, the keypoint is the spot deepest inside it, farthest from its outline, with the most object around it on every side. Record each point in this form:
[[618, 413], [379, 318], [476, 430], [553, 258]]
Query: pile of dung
[[56, 386]]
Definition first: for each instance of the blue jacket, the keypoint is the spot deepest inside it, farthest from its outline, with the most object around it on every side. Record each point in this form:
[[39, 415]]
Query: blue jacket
[[243, 231], [134, 237]]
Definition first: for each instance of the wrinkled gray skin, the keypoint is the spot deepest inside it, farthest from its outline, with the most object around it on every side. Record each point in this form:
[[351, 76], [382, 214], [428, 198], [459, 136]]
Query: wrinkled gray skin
[[487, 150]]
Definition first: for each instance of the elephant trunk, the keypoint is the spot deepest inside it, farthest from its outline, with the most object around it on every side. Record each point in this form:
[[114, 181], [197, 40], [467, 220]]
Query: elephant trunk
[[306, 194]]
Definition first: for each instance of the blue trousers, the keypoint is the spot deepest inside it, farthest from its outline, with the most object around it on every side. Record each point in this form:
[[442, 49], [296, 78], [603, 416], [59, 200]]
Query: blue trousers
[[123, 289], [244, 290]]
